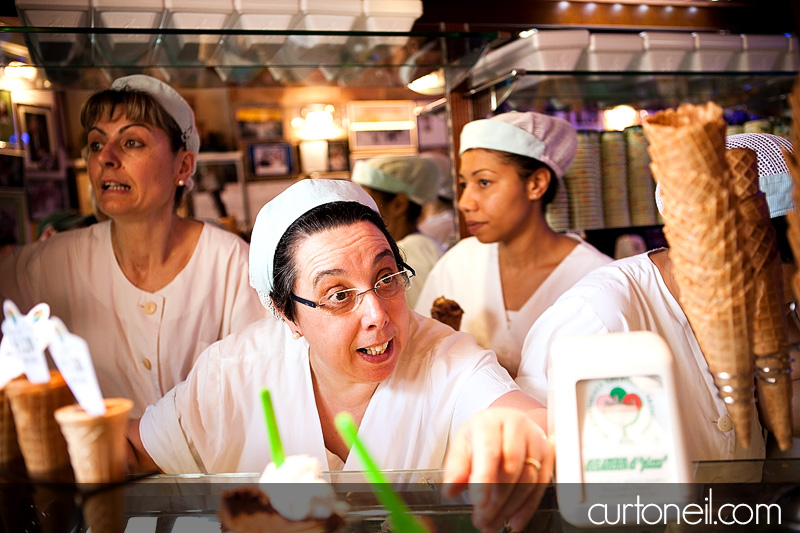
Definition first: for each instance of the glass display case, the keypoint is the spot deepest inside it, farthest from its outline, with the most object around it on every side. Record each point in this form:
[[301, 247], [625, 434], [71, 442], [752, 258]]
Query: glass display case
[[170, 503]]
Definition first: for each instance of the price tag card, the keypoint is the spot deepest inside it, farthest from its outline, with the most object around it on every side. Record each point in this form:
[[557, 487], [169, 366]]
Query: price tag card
[[71, 355], [26, 336]]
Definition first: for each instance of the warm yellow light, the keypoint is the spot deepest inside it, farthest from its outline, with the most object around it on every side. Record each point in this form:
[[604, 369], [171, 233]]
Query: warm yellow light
[[317, 123], [430, 84], [18, 70], [620, 117]]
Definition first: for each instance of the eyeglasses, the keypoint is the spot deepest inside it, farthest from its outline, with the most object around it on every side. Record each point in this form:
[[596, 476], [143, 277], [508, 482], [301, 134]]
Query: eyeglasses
[[341, 302]]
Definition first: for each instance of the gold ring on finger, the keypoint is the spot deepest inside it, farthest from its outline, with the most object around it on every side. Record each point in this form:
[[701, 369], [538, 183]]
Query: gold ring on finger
[[534, 463]]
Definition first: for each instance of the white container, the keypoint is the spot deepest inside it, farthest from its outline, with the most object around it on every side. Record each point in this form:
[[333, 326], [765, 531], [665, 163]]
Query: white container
[[613, 413], [56, 48], [789, 60], [712, 52], [195, 15], [759, 53], [390, 15], [127, 47], [541, 50], [663, 51], [266, 15], [610, 52], [326, 15]]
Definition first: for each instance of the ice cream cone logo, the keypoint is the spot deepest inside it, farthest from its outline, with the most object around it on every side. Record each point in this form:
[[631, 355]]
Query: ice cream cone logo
[[619, 407]]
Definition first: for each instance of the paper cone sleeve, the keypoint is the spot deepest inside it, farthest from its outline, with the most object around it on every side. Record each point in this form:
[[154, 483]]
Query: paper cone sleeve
[[9, 448], [38, 434], [96, 444]]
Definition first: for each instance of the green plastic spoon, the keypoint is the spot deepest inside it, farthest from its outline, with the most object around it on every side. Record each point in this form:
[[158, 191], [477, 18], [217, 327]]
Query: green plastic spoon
[[275, 447], [402, 519]]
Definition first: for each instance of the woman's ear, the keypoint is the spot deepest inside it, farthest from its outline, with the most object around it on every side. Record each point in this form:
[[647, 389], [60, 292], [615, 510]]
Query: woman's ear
[[537, 183], [278, 313], [186, 165]]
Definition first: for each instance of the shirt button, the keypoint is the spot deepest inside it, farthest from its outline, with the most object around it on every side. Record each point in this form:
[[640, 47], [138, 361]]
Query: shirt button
[[150, 308], [725, 424], [146, 363]]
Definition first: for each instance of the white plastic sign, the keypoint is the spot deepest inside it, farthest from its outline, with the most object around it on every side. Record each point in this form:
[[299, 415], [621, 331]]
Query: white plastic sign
[[71, 355], [26, 337]]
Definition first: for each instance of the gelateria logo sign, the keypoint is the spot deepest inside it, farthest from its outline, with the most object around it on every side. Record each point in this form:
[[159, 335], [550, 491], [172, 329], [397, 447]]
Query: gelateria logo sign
[[638, 463]]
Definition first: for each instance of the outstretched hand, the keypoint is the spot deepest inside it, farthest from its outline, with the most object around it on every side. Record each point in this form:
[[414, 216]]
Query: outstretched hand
[[505, 460]]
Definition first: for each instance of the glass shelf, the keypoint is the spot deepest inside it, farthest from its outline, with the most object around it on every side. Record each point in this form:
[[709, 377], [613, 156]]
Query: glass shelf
[[82, 57], [760, 93]]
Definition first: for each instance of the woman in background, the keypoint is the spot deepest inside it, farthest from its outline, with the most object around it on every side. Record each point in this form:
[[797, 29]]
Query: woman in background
[[401, 185], [515, 265], [147, 289]]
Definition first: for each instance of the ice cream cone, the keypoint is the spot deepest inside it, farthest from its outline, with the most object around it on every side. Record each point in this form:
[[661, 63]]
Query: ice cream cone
[[40, 439], [9, 448], [97, 444]]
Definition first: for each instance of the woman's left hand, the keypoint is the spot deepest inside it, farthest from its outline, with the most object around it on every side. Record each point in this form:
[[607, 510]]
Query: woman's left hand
[[506, 461]]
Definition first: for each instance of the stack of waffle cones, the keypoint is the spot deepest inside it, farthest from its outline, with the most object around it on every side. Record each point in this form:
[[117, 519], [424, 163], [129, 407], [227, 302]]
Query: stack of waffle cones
[[97, 449], [767, 319], [793, 217], [687, 150], [39, 437]]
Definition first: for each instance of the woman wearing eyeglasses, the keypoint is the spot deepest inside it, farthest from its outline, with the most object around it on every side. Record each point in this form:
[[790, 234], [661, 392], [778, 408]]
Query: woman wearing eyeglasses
[[423, 395]]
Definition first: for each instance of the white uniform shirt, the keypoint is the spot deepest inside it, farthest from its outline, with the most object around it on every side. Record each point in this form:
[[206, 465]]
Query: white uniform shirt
[[421, 253], [142, 343], [469, 273], [630, 295], [213, 421]]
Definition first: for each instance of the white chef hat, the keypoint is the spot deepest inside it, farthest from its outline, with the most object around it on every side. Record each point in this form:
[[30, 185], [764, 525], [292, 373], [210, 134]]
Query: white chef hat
[[774, 179], [551, 140], [172, 102], [444, 165], [278, 214], [412, 175]]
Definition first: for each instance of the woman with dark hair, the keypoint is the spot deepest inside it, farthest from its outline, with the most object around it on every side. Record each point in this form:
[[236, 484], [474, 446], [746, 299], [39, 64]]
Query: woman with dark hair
[[147, 289], [515, 265], [422, 395]]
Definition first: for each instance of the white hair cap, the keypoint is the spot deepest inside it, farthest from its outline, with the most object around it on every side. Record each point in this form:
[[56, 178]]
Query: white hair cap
[[443, 163], [279, 213], [416, 177], [774, 179], [551, 140], [172, 102]]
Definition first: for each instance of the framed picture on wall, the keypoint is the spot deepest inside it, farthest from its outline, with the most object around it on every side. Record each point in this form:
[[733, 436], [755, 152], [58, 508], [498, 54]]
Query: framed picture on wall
[[338, 156], [11, 163], [382, 125], [8, 134], [272, 160], [45, 196], [14, 227], [259, 123], [39, 141]]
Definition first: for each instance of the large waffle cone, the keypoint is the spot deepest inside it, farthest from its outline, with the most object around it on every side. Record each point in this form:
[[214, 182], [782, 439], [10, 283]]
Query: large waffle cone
[[103, 511], [40, 439], [9, 448], [689, 139], [96, 444]]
